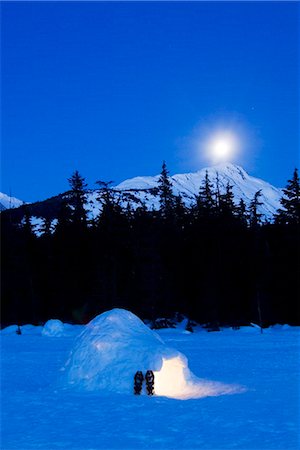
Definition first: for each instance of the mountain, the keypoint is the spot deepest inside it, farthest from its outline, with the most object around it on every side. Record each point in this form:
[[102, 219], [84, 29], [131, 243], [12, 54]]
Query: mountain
[[144, 191], [7, 202], [188, 184]]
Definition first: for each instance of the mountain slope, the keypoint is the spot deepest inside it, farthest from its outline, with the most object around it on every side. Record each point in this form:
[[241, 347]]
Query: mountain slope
[[188, 184], [7, 202], [144, 191]]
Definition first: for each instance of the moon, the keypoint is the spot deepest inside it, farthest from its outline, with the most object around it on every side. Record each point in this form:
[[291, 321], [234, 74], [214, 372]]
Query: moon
[[222, 146]]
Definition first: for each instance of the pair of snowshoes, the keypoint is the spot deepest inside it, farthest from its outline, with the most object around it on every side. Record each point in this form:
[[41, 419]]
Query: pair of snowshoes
[[139, 379]]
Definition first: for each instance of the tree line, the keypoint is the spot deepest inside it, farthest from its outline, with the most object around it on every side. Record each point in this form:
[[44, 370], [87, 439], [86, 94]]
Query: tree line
[[216, 262]]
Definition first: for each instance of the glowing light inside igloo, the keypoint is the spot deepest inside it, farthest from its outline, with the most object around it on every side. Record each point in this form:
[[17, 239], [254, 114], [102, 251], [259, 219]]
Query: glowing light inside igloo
[[170, 379]]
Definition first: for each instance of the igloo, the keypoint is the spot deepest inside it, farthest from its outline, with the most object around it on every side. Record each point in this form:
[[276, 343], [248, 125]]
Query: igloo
[[115, 344]]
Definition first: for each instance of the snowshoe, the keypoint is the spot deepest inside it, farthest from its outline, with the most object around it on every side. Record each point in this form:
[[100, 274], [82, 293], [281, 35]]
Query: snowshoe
[[149, 382], [138, 382]]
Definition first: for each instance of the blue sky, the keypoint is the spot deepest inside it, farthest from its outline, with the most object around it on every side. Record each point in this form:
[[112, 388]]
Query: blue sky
[[112, 89]]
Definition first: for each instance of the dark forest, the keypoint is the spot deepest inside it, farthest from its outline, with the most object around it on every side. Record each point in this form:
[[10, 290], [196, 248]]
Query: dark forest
[[216, 262]]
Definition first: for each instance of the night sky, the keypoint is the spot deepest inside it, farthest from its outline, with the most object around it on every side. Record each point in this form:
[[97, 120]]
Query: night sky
[[112, 89]]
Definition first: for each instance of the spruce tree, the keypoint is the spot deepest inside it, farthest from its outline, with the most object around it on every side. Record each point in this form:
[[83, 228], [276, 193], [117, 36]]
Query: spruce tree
[[129, 211], [180, 211], [46, 227], [78, 198], [29, 263], [179, 207], [254, 215], [218, 192], [206, 205], [166, 196], [26, 224], [226, 201], [290, 201], [241, 212], [106, 193], [63, 219], [109, 204]]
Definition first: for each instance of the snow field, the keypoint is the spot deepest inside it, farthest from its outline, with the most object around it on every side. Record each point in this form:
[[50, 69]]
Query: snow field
[[37, 413]]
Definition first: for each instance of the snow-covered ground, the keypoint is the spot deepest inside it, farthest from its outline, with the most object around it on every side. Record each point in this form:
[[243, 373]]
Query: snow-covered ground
[[38, 412]]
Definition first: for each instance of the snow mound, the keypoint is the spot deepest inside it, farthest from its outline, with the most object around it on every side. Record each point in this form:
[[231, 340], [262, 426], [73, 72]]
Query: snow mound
[[53, 328], [116, 344], [11, 329]]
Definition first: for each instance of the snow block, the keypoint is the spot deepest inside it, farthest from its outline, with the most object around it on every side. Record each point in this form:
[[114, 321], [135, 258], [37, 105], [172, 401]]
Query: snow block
[[117, 344], [53, 328]]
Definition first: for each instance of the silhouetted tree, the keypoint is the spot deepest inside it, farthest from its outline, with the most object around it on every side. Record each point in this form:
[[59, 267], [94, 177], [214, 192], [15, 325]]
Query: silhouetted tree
[[166, 196], [205, 203], [254, 215], [241, 212], [64, 219], [290, 201], [46, 228], [78, 199], [180, 209], [218, 192], [26, 225], [226, 202]]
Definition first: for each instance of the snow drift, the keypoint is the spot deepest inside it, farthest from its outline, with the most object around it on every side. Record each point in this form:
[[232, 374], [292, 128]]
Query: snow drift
[[116, 344], [53, 328]]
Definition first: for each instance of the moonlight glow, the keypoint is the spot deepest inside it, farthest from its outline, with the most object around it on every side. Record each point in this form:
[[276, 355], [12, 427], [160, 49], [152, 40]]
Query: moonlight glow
[[221, 140], [222, 147]]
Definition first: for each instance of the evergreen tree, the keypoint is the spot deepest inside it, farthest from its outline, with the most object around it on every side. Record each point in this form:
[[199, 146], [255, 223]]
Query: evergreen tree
[[226, 202], [107, 198], [105, 191], [166, 196], [77, 184], [63, 219], [29, 262], [26, 224], [141, 210], [205, 203], [290, 202], [241, 212], [46, 227], [179, 207], [78, 197], [218, 192], [254, 215], [129, 211]]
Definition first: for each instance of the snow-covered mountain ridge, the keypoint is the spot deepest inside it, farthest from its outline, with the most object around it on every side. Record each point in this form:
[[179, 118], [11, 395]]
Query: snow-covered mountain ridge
[[140, 191], [188, 184], [7, 202]]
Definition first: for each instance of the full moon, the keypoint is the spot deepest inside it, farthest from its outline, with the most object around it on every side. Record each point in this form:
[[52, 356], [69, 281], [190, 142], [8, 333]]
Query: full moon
[[221, 147]]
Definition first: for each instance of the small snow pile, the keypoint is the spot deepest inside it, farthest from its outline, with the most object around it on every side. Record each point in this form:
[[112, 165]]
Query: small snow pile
[[116, 344], [53, 328], [11, 329]]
